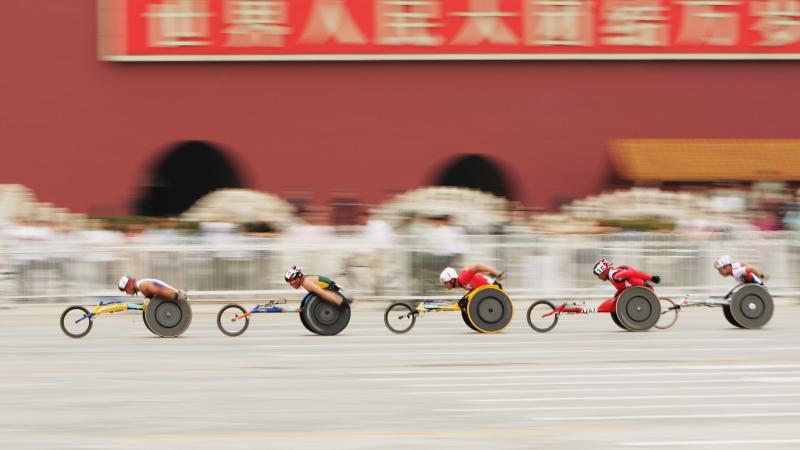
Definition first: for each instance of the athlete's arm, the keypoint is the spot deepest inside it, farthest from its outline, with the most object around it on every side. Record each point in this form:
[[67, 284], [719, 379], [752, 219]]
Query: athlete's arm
[[487, 270], [150, 290], [312, 287], [753, 269], [629, 274]]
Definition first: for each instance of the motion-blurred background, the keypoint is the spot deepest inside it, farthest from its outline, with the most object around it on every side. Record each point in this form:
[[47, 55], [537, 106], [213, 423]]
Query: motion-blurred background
[[177, 139]]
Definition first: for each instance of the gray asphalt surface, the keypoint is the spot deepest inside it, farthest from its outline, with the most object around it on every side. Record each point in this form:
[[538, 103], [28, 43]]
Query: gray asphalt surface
[[701, 384]]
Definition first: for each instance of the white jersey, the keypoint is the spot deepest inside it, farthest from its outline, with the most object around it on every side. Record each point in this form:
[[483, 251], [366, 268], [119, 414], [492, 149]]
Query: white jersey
[[739, 272], [158, 283]]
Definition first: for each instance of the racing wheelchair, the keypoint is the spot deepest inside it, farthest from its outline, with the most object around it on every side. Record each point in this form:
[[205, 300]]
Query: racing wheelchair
[[318, 316], [747, 305], [487, 309], [163, 317], [637, 309]]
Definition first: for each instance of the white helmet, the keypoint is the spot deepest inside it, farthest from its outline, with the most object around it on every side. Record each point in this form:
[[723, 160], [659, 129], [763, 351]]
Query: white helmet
[[123, 282], [722, 261], [293, 273], [448, 275]]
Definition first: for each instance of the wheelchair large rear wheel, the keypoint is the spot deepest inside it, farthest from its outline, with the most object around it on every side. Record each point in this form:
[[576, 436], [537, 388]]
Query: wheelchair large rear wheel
[[325, 318], [167, 317], [638, 309], [489, 309], [751, 306]]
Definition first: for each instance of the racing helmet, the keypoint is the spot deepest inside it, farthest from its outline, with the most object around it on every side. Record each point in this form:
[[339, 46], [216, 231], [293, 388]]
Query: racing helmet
[[601, 266], [123, 282], [293, 273], [448, 275], [722, 261]]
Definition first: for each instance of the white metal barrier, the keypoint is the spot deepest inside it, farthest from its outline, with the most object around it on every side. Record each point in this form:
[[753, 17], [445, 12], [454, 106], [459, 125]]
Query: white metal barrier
[[537, 266]]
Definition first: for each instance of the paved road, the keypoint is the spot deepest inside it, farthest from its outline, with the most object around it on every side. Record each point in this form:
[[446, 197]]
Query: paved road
[[701, 384]]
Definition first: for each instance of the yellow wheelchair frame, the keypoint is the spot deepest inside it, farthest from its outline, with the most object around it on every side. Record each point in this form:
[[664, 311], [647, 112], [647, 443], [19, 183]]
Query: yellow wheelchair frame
[[103, 307], [408, 315]]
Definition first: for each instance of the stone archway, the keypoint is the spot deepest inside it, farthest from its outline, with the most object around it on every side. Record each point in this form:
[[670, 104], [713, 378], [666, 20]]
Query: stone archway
[[187, 171]]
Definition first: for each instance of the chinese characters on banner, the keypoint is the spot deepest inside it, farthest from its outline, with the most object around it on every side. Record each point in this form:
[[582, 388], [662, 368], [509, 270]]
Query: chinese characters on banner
[[448, 29]]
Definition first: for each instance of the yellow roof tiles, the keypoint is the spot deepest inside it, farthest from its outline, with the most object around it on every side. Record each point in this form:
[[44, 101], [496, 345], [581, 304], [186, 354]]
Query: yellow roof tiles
[[707, 159]]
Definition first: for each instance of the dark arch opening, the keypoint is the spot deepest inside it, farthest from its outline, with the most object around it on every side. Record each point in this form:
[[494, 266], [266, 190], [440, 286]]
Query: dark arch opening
[[186, 173], [476, 172]]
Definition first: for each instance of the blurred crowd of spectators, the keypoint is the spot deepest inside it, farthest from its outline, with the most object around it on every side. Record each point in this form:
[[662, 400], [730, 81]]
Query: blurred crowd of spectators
[[415, 236], [441, 226]]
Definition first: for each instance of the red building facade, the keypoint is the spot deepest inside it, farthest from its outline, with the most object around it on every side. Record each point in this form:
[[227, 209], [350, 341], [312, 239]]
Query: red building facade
[[89, 134]]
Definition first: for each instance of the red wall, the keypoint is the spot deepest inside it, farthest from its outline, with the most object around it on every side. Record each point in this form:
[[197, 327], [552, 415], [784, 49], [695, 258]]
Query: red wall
[[81, 132]]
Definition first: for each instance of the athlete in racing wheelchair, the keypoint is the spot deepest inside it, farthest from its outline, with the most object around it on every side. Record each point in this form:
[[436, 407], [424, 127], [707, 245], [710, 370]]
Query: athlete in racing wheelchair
[[166, 309], [486, 308], [321, 286], [741, 271], [634, 307], [748, 305], [325, 310]]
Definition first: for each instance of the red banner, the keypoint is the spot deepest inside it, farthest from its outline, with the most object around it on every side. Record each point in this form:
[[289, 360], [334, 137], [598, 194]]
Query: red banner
[[229, 30]]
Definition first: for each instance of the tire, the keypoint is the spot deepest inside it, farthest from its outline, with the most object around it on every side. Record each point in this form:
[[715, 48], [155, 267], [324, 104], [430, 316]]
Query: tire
[[304, 320], [144, 319], [465, 317], [225, 317], [489, 309], [403, 314], [168, 318], [304, 312], [638, 308], [535, 312], [615, 318], [751, 306], [325, 318], [669, 314], [726, 311], [75, 334]]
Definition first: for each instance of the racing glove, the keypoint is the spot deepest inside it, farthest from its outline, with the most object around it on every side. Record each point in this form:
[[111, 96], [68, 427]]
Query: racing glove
[[656, 279]]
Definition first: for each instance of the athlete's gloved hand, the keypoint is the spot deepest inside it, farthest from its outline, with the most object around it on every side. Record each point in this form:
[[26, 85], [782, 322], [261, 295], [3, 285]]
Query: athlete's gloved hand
[[764, 276], [656, 279], [500, 275]]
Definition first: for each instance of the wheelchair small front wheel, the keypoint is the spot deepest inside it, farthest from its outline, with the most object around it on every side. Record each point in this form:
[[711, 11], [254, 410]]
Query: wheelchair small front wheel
[[230, 321], [399, 318], [76, 322], [541, 317]]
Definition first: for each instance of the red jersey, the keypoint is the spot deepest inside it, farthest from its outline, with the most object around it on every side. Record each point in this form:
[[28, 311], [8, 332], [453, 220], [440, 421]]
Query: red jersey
[[471, 280], [623, 277]]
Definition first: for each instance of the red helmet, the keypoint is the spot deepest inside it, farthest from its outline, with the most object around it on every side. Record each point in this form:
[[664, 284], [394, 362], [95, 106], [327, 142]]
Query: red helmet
[[601, 267]]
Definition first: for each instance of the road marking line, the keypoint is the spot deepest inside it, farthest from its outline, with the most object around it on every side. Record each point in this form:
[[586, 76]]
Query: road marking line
[[625, 397], [775, 379], [589, 389], [599, 351], [626, 407], [583, 375], [505, 344], [327, 435], [615, 382], [671, 416], [611, 368], [707, 443]]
